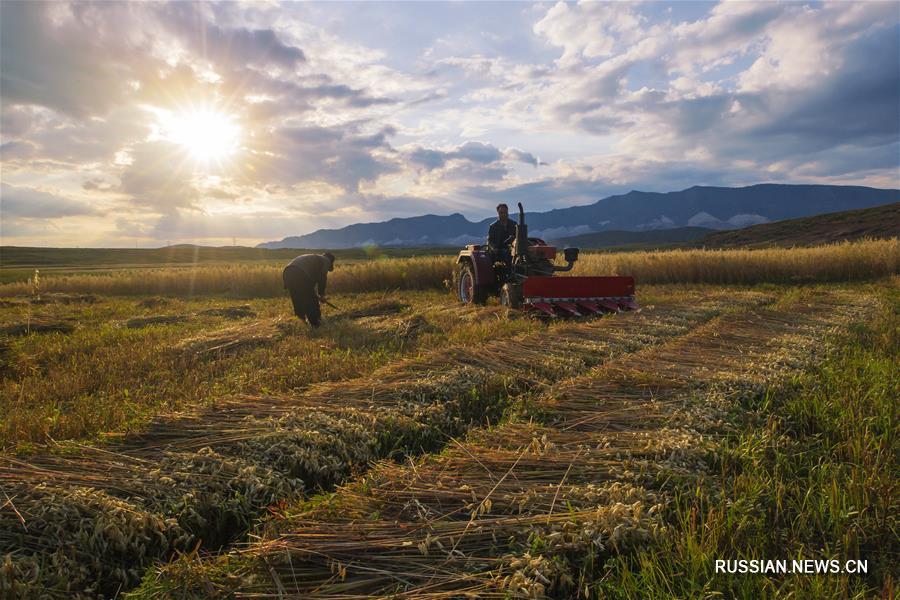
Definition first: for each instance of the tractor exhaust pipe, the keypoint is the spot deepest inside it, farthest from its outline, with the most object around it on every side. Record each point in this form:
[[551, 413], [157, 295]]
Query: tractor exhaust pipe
[[571, 255]]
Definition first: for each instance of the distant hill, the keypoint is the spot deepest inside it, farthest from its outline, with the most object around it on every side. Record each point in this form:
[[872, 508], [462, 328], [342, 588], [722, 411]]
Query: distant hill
[[708, 207], [877, 222], [656, 237]]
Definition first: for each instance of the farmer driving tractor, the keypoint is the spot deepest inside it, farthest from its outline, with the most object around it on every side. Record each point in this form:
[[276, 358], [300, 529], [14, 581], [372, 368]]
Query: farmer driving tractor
[[500, 235]]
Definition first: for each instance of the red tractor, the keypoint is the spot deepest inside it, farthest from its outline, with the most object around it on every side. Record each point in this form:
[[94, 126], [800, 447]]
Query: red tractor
[[523, 278]]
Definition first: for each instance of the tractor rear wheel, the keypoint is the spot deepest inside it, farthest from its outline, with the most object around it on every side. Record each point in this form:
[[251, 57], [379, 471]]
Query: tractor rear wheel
[[467, 290]]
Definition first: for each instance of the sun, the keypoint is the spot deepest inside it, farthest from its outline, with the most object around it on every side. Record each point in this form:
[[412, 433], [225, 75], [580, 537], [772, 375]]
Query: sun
[[210, 136]]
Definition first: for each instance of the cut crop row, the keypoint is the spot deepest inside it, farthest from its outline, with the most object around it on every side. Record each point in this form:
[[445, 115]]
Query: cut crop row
[[205, 478], [530, 510]]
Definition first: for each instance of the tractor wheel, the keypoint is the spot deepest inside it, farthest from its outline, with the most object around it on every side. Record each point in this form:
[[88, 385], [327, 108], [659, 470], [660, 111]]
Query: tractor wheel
[[511, 296], [467, 290]]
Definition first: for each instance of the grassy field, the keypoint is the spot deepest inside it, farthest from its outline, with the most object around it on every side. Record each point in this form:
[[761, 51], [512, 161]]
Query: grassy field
[[838, 262], [150, 419], [877, 222], [17, 264]]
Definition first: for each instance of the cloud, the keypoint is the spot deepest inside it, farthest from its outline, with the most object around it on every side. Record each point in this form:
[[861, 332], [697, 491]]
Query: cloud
[[17, 150], [343, 121], [342, 155], [30, 203], [69, 58], [476, 153], [589, 29], [857, 103], [159, 177], [802, 82], [79, 142], [260, 47], [521, 156]]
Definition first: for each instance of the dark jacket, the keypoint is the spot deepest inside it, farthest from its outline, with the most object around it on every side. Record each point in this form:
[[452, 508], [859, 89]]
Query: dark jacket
[[498, 235], [315, 267]]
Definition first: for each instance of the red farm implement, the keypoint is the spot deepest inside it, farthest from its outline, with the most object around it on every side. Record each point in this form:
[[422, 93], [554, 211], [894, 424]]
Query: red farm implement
[[522, 273]]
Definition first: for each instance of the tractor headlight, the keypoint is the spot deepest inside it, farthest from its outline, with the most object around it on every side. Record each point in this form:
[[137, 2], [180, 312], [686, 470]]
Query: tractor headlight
[[570, 254]]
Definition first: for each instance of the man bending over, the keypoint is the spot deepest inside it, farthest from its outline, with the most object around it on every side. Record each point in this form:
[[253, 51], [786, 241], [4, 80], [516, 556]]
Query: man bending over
[[302, 278]]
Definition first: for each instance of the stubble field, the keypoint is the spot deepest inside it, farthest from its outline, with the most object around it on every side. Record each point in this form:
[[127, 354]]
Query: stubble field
[[167, 435]]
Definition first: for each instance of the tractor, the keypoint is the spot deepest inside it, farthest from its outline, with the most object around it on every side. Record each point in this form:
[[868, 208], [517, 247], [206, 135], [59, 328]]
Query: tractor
[[523, 278]]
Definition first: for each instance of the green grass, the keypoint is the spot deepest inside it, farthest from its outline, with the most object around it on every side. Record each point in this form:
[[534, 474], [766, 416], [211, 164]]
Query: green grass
[[811, 475]]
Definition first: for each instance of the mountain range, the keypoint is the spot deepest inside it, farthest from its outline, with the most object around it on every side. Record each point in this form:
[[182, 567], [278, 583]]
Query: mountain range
[[716, 208]]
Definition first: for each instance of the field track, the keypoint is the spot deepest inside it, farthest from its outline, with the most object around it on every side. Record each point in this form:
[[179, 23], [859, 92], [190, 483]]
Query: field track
[[605, 398]]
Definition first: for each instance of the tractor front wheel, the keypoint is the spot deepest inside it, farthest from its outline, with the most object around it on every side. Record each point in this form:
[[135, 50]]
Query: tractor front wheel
[[467, 290]]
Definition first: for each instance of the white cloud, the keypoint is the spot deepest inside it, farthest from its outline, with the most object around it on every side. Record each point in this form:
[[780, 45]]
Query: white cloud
[[347, 118]]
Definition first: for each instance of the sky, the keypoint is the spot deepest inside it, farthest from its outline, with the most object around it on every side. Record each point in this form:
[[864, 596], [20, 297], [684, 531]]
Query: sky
[[142, 124]]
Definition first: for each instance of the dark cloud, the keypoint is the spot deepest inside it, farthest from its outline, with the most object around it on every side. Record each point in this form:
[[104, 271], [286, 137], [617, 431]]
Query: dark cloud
[[261, 47], [857, 104], [65, 64], [292, 96], [75, 142], [15, 121], [341, 156], [849, 161], [428, 158], [29, 203], [352, 97], [471, 161], [522, 156], [478, 153], [17, 150], [774, 126], [97, 185]]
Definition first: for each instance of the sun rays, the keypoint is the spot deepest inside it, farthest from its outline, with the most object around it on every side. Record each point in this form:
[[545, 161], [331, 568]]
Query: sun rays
[[210, 136]]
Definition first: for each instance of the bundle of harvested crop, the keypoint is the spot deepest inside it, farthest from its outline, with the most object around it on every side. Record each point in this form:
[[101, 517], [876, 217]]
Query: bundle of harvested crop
[[568, 547], [38, 324], [377, 309], [230, 312], [232, 339], [213, 497], [61, 298], [407, 330], [154, 302], [141, 322], [426, 427], [80, 539], [320, 454]]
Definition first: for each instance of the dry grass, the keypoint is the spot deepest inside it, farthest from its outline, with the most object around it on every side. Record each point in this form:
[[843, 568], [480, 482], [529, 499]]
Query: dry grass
[[512, 512], [523, 510], [869, 259], [855, 261], [260, 281], [215, 470]]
